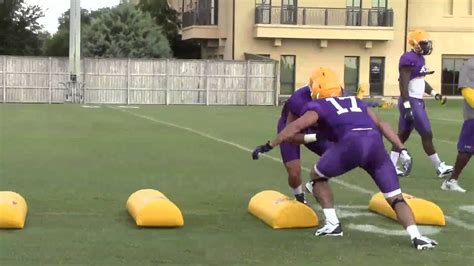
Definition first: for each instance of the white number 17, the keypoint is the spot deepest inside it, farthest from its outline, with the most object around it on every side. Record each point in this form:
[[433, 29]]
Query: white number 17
[[341, 110]]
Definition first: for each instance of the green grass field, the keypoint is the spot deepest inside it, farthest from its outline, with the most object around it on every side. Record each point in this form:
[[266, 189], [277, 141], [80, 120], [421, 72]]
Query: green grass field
[[76, 168]]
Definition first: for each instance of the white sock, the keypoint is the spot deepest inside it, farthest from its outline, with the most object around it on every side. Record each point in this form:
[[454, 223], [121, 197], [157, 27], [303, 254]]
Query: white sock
[[297, 190], [413, 231], [435, 159], [331, 216], [394, 157]]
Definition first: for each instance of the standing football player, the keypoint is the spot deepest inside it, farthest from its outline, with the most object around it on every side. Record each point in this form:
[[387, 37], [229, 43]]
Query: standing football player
[[290, 150], [411, 104], [466, 138], [356, 133]]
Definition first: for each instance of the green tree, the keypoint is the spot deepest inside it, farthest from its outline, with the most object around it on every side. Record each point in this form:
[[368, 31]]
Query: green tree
[[19, 28], [166, 17], [58, 45], [125, 31]]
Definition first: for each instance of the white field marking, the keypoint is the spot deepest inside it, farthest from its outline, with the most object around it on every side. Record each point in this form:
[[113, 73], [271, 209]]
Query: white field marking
[[345, 214], [425, 230], [128, 107], [91, 106], [339, 182], [203, 134], [358, 207], [467, 208], [92, 214], [459, 223]]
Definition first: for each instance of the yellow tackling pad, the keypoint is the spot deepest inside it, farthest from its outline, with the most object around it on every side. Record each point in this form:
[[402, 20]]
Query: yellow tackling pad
[[425, 212], [151, 208], [13, 210], [279, 211]]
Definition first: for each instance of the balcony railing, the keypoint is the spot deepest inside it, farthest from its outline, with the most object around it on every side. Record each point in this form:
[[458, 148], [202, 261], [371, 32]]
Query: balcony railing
[[200, 16], [292, 15]]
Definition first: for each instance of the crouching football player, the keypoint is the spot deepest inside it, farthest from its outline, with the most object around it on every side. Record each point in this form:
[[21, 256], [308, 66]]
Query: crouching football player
[[290, 150], [356, 133]]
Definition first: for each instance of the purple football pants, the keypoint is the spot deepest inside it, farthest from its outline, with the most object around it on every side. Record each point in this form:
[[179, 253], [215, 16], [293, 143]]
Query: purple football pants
[[466, 138], [421, 122], [363, 149]]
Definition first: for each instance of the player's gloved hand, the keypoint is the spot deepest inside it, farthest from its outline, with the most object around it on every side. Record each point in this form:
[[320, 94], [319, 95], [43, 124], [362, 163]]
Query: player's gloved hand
[[406, 161], [408, 112], [440, 98], [261, 149]]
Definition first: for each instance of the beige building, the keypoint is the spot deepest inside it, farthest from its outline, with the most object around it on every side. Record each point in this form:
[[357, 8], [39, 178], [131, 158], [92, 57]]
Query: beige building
[[361, 39]]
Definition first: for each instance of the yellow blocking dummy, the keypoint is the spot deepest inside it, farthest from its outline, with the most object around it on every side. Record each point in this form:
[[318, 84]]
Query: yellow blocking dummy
[[425, 212], [150, 208], [279, 211], [13, 210]]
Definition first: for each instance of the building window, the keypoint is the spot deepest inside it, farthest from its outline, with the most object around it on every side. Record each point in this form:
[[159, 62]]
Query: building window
[[448, 7], [354, 3], [382, 4], [354, 12], [289, 11], [287, 74], [351, 74], [377, 75], [451, 66], [263, 11]]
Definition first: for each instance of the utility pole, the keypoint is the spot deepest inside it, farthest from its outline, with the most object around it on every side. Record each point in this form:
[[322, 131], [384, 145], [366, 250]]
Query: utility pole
[[74, 48]]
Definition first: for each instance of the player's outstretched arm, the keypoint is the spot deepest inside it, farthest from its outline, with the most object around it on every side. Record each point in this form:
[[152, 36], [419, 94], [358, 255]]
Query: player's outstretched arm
[[295, 127], [305, 121], [387, 131]]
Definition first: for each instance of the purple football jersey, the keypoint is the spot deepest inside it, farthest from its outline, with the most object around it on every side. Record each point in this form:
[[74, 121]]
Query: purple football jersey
[[296, 102], [416, 61], [338, 116]]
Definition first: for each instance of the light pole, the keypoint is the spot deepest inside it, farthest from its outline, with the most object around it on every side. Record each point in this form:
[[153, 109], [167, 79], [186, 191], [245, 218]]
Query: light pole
[[74, 47]]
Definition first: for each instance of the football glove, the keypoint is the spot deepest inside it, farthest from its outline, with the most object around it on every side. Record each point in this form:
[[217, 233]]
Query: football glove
[[406, 162], [408, 114], [440, 98], [261, 149]]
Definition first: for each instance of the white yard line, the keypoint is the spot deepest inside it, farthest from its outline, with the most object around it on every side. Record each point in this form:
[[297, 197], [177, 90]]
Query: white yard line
[[459, 223], [426, 230], [347, 185]]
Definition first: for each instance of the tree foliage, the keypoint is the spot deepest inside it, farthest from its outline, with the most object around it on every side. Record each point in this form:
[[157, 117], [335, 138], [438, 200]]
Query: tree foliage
[[124, 31], [168, 18], [19, 28], [58, 45]]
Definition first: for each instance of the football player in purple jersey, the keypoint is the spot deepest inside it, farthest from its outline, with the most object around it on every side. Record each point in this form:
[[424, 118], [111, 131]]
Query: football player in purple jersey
[[411, 105], [357, 136], [290, 150]]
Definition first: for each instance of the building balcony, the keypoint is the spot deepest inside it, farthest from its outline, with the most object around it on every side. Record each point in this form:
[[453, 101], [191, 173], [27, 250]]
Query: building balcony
[[200, 23], [323, 23]]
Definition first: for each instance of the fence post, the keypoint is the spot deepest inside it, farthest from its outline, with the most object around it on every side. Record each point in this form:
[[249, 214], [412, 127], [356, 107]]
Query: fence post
[[50, 80], [247, 82], [326, 16], [206, 76], [167, 94], [4, 79], [128, 81], [277, 81], [84, 79]]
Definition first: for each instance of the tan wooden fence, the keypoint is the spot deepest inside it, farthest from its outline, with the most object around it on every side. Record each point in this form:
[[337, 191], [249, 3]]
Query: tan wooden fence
[[137, 81]]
